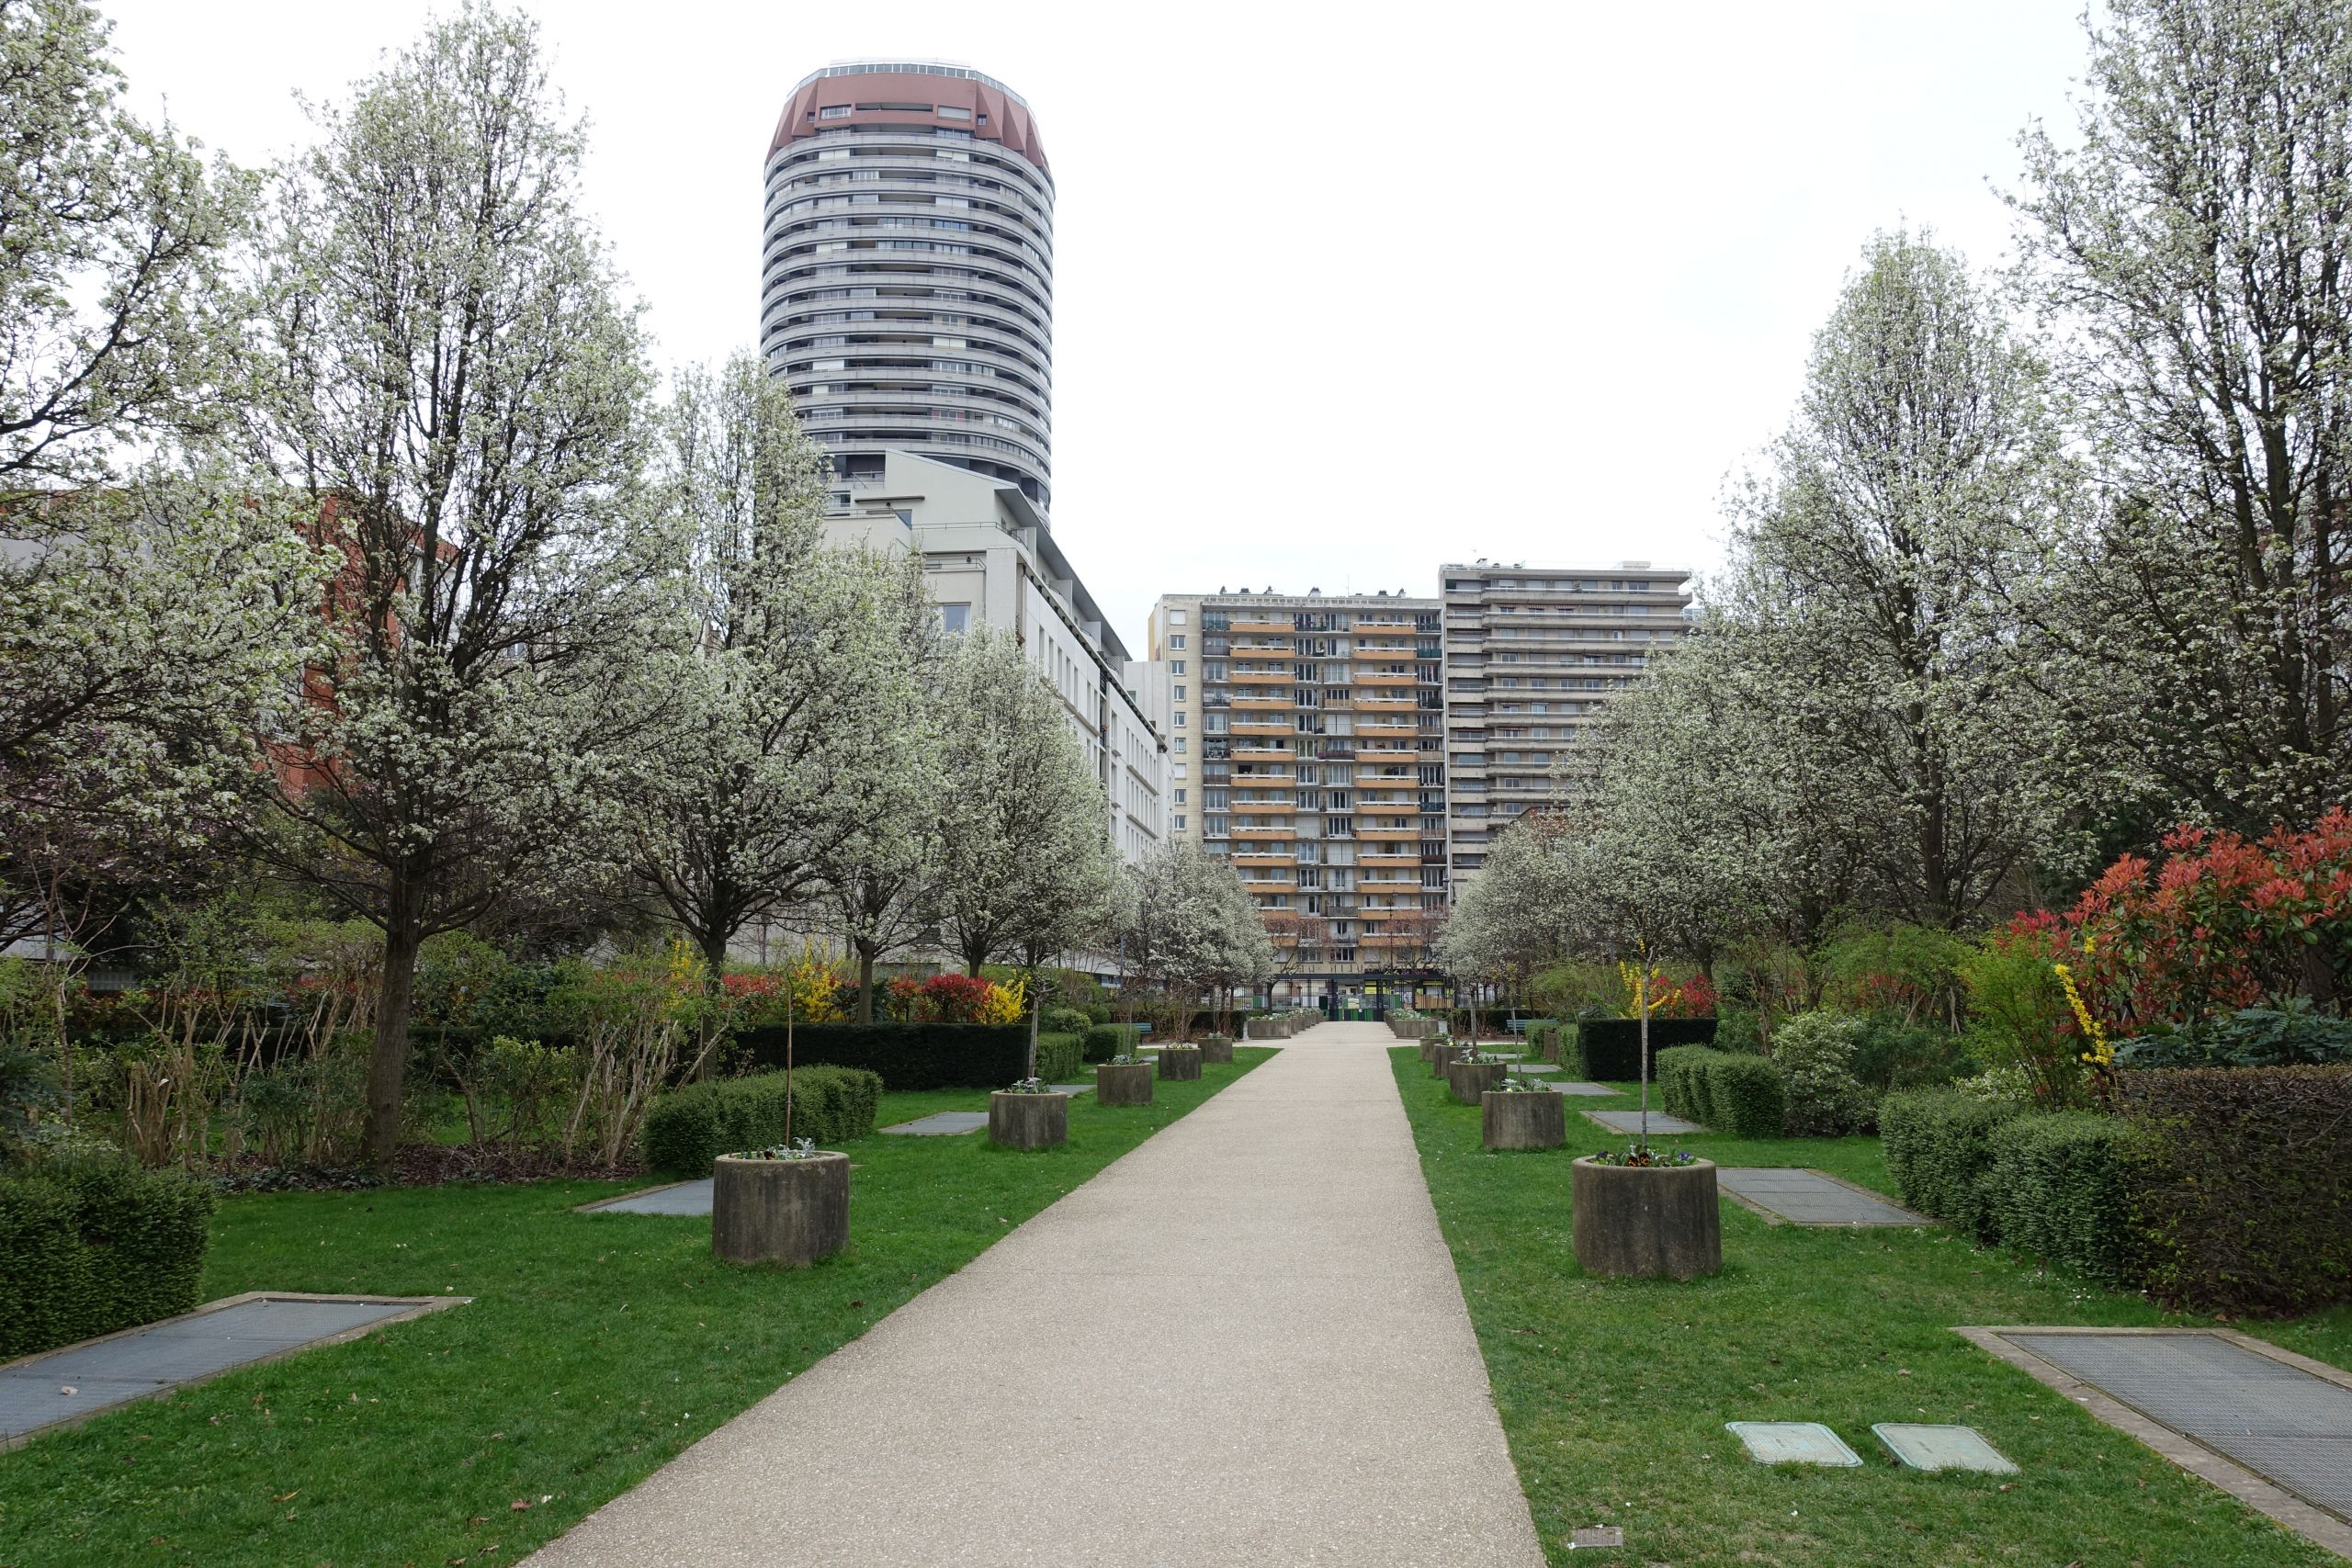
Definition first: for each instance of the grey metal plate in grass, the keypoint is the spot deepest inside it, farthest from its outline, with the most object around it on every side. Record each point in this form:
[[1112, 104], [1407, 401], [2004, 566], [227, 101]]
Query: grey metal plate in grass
[[1557, 1086], [1810, 1197], [2278, 1420], [203, 1344], [1661, 1124], [1793, 1442], [942, 1124], [1922, 1446], [680, 1198], [1069, 1088]]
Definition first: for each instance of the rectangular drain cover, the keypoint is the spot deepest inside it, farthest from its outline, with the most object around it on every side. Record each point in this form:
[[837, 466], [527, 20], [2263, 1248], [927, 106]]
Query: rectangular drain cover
[[1925, 1446], [1793, 1442]]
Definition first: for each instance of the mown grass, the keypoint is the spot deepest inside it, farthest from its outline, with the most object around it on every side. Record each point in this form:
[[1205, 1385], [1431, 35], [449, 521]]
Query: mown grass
[[1613, 1394], [596, 1349]]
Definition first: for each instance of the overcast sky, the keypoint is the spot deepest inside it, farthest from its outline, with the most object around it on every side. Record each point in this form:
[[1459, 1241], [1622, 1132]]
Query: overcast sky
[[1342, 291]]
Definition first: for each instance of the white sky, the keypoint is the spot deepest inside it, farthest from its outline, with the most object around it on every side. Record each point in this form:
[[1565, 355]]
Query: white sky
[[1342, 291]]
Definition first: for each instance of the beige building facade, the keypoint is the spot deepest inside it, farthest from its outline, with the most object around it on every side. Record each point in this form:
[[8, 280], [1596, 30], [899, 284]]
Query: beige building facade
[[1305, 737], [1531, 655]]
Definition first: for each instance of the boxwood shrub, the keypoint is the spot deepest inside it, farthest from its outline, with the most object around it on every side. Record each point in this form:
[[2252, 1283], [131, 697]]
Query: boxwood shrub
[[2242, 1181], [689, 1127], [1939, 1151], [1105, 1041], [1609, 1050], [1726, 1091], [1059, 1057], [906, 1055], [2059, 1187], [89, 1249]]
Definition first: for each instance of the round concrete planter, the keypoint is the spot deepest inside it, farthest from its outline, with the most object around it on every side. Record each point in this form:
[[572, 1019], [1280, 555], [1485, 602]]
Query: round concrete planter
[[1028, 1121], [1442, 1061], [779, 1211], [1180, 1064], [1647, 1221], [1123, 1083], [1216, 1051], [1430, 1045], [1537, 1121], [1472, 1079]]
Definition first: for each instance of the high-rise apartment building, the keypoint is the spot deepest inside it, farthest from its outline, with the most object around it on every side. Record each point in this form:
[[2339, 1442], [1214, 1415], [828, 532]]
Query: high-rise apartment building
[[907, 272], [1307, 745], [1531, 656]]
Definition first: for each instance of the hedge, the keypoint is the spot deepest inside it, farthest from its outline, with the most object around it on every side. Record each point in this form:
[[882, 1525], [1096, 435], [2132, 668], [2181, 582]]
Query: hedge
[[2058, 1187], [1726, 1091], [688, 1128], [1059, 1057], [1609, 1050], [1543, 1039], [1105, 1041], [1938, 1149], [2243, 1184], [906, 1055], [90, 1249]]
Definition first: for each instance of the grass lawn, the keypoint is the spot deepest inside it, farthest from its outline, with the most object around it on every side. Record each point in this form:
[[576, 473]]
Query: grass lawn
[[1614, 1393], [596, 1349]]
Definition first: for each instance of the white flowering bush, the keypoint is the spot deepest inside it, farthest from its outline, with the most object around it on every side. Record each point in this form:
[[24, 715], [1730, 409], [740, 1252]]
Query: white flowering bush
[[1815, 1052]]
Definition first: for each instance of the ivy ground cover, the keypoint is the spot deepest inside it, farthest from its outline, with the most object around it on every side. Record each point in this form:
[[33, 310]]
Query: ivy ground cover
[[1613, 1394], [595, 1349]]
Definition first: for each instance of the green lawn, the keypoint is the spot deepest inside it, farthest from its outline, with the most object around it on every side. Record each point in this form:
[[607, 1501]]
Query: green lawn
[[1614, 1393], [596, 1349]]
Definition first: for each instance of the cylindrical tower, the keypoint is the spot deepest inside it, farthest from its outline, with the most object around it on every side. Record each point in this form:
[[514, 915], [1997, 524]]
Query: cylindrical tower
[[907, 271]]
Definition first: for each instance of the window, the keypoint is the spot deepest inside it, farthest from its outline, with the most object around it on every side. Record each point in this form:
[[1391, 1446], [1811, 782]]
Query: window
[[949, 111], [1176, 617], [1179, 721], [1181, 746], [1177, 667], [1180, 693], [1176, 642], [834, 111], [1180, 821], [1180, 797], [953, 619]]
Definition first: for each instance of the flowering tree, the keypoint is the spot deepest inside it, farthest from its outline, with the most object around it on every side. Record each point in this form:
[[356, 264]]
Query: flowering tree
[[787, 668], [110, 267], [1184, 924], [2190, 247], [1024, 834], [447, 373]]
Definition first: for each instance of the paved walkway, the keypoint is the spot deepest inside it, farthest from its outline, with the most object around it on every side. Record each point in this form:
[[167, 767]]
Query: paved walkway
[[1241, 1343]]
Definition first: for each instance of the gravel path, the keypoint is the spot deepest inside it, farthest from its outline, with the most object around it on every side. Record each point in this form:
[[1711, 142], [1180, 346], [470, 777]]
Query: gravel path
[[1242, 1343]]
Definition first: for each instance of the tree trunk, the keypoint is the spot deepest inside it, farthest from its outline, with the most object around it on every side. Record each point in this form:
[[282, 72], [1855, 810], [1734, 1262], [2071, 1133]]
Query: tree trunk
[[865, 981], [714, 958], [388, 1056]]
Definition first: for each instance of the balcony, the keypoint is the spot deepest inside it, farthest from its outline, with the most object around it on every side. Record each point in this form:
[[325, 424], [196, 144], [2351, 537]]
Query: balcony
[[1261, 725], [1382, 678], [1262, 753], [1261, 625], [1261, 677], [1262, 702]]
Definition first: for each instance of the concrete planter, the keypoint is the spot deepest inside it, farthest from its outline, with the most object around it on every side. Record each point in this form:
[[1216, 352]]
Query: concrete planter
[[779, 1211], [1646, 1222], [1028, 1121], [1180, 1064], [1216, 1051], [1123, 1084], [1538, 1120], [1471, 1080], [1441, 1060]]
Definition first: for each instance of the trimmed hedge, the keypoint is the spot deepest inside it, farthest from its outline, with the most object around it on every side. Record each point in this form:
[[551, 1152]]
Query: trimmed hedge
[[688, 1128], [1543, 1039], [1939, 1148], [1727, 1091], [86, 1250], [1105, 1041], [1059, 1057], [906, 1055], [2241, 1182], [1609, 1050], [2058, 1187]]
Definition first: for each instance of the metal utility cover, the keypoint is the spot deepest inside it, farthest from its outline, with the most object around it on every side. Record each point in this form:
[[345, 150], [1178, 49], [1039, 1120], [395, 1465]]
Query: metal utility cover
[[1585, 1537], [1599, 1088], [1793, 1442], [2278, 1420], [1810, 1198], [941, 1125], [684, 1198], [1925, 1446], [1630, 1121]]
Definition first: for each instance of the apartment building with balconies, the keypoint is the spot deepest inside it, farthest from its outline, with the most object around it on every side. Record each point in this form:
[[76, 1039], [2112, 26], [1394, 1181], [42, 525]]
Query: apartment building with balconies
[[1531, 655], [1305, 740]]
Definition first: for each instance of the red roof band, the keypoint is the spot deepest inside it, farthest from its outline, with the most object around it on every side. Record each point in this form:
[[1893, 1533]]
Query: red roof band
[[996, 116]]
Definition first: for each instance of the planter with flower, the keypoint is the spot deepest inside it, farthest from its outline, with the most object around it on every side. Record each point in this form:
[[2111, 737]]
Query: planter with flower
[[786, 1203], [1124, 1079], [1471, 1072], [1646, 1213], [1520, 1114], [1030, 1115], [1216, 1050], [1180, 1062]]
